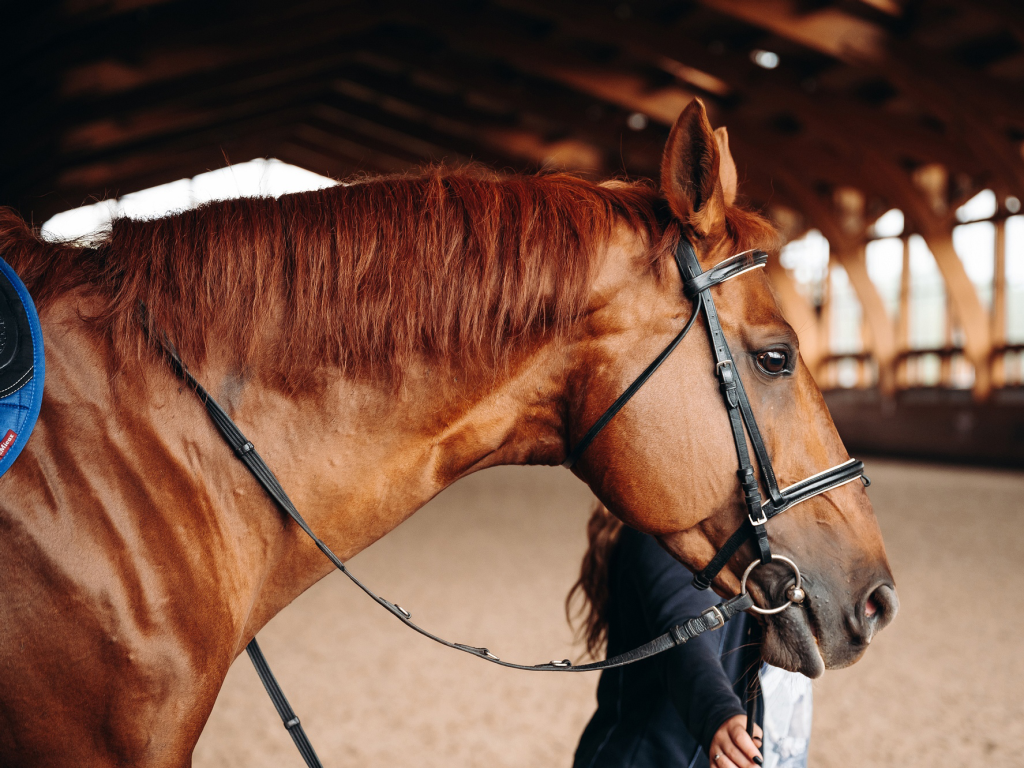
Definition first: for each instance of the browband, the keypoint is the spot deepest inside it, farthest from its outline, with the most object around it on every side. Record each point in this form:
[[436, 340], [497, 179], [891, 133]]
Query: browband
[[731, 267]]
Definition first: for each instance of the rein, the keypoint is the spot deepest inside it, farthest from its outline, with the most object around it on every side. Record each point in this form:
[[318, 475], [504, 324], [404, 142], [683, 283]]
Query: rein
[[697, 285]]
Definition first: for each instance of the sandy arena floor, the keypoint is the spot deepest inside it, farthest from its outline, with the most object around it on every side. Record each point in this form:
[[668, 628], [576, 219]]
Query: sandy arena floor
[[489, 563]]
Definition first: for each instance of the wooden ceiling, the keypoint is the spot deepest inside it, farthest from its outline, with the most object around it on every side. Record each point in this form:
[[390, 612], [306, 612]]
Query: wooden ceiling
[[915, 104]]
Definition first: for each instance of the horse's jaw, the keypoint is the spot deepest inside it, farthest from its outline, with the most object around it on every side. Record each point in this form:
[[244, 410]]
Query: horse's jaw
[[790, 642]]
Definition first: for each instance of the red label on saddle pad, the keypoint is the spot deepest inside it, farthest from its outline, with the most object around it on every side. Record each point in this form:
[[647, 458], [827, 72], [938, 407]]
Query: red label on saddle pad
[[7, 442]]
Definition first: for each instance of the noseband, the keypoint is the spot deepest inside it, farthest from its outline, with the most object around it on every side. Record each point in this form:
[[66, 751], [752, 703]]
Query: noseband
[[697, 285]]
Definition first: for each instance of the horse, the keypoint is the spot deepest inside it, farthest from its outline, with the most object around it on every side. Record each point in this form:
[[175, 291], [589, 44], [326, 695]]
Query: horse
[[379, 340]]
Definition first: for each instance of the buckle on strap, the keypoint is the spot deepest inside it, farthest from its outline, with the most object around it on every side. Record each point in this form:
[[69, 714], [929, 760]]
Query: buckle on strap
[[713, 618], [761, 520], [728, 383]]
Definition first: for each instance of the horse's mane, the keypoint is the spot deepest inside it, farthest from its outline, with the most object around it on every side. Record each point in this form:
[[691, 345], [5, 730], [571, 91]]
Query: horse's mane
[[457, 266]]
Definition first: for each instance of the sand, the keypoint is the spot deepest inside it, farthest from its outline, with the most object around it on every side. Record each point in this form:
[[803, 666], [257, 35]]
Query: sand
[[489, 563]]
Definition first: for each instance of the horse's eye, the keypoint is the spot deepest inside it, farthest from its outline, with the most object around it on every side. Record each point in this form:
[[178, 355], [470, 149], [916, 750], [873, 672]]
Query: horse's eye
[[773, 362]]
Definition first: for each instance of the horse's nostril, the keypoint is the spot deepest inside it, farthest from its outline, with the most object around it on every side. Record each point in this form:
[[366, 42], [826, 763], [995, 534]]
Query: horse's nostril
[[870, 607], [878, 608], [881, 605]]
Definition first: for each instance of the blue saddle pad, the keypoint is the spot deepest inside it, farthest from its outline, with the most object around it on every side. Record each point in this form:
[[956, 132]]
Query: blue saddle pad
[[22, 366]]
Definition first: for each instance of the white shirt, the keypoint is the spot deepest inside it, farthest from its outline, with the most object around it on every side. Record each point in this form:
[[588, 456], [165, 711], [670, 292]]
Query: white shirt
[[788, 708]]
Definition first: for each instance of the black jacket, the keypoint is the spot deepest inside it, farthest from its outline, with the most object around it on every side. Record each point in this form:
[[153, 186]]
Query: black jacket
[[662, 711]]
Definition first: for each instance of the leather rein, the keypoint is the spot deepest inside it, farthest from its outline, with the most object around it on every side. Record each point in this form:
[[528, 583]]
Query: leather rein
[[697, 285]]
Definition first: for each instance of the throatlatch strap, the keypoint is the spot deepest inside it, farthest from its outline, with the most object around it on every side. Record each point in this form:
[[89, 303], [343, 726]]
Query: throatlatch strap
[[703, 579], [631, 390]]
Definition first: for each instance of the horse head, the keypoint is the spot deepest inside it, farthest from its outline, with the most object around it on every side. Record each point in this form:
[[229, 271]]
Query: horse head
[[667, 463]]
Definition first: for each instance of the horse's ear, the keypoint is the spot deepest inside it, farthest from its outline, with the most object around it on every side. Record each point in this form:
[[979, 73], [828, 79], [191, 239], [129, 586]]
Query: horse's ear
[[690, 172], [727, 170]]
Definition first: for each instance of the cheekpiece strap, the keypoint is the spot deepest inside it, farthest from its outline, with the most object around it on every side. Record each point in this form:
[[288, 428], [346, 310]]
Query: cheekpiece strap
[[693, 277], [731, 385]]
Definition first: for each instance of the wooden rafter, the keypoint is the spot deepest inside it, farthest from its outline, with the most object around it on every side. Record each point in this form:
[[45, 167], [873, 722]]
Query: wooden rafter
[[868, 96]]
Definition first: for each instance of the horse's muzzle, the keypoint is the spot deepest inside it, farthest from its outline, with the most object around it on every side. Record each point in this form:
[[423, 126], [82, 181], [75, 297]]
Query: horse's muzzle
[[830, 629]]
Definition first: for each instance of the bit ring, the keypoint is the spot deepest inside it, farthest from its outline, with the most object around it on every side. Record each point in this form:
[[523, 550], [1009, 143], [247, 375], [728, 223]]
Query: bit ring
[[795, 590]]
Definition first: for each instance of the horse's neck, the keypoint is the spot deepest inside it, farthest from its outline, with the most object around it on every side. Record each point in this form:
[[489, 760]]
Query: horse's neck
[[357, 459], [361, 458]]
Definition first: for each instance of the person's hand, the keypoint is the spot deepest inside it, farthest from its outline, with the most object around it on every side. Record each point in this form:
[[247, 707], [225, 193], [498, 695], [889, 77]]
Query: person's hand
[[731, 747]]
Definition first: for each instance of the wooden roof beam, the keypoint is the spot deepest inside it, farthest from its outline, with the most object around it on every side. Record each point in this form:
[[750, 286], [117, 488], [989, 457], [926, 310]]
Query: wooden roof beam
[[759, 95], [495, 143], [475, 34], [542, 104], [854, 44], [849, 248]]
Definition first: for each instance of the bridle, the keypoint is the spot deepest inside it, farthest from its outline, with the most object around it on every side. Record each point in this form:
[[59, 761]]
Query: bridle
[[697, 285]]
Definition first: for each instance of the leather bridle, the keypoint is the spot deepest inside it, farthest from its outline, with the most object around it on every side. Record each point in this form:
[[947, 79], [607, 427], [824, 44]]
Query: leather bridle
[[697, 285]]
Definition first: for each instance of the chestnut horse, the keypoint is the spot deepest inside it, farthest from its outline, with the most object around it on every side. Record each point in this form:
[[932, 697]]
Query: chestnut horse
[[378, 341]]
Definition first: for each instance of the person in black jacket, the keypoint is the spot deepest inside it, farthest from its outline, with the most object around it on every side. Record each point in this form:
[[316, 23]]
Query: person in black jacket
[[685, 707]]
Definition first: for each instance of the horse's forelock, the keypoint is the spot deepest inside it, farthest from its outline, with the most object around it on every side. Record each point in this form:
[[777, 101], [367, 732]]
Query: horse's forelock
[[751, 230]]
